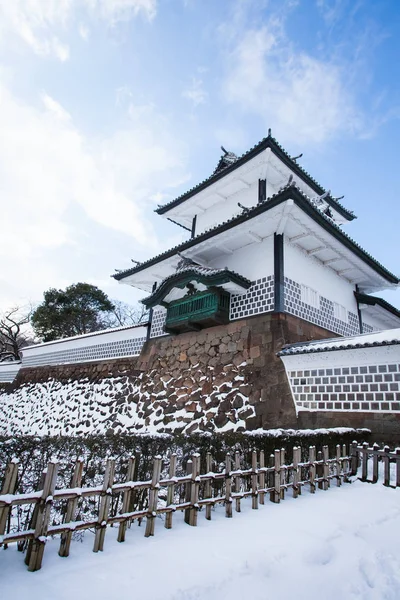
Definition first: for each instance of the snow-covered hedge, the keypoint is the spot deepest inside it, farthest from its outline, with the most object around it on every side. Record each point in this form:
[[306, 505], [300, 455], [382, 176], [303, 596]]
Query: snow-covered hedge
[[34, 453]]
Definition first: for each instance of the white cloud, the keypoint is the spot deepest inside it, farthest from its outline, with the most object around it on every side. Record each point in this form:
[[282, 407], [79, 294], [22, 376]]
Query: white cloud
[[63, 190], [195, 92], [41, 24], [295, 94], [84, 32]]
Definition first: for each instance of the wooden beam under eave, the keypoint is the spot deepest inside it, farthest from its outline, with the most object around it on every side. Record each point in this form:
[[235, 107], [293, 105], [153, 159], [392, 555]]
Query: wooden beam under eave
[[331, 260], [296, 238], [255, 237], [316, 250]]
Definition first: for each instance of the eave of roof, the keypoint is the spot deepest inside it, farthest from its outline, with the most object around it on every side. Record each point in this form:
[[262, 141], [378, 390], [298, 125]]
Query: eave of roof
[[288, 192], [323, 345], [374, 300], [268, 142], [179, 279]]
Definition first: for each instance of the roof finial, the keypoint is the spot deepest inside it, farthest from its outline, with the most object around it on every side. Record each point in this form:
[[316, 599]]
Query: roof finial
[[244, 208], [137, 262], [295, 158], [290, 180], [185, 261], [269, 132], [224, 151]]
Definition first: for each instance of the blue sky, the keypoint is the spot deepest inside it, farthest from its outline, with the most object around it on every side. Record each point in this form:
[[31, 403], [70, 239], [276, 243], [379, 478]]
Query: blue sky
[[109, 107]]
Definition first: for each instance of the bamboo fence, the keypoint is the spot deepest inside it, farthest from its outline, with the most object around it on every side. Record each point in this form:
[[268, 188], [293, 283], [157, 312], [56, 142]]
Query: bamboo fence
[[190, 493], [366, 457]]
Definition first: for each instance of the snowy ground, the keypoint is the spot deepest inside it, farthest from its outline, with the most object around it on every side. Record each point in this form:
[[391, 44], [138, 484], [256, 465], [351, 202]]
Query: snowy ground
[[342, 543]]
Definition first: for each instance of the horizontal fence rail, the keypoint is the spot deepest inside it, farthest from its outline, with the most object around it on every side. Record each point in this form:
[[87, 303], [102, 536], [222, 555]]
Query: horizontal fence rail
[[124, 502]]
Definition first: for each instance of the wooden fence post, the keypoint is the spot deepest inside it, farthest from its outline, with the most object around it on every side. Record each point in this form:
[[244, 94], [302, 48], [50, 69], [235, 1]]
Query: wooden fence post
[[386, 466], [189, 470], [277, 478], [354, 459], [364, 462], [126, 502], [283, 472], [9, 485], [320, 470], [296, 461], [271, 477], [71, 508], [237, 479], [397, 467], [254, 478], [325, 471], [228, 486], [153, 497], [105, 501], [194, 490], [33, 520], [170, 491], [43, 518], [375, 458], [338, 465], [300, 471], [261, 477], [207, 490], [311, 460]]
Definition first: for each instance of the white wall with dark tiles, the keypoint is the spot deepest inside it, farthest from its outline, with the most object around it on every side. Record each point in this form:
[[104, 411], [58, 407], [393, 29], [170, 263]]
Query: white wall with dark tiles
[[358, 379]]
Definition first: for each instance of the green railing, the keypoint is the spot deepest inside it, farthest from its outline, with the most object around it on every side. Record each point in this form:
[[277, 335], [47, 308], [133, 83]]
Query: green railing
[[200, 310]]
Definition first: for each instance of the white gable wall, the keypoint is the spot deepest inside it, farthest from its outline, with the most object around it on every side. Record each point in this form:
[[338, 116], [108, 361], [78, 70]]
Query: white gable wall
[[309, 271], [253, 261], [224, 210]]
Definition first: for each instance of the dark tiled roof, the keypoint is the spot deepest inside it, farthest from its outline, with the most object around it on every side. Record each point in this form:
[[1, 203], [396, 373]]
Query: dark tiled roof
[[201, 274], [268, 142], [374, 300], [290, 191], [366, 340]]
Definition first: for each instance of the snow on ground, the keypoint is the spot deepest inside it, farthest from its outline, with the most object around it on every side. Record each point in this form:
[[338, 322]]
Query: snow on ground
[[342, 543]]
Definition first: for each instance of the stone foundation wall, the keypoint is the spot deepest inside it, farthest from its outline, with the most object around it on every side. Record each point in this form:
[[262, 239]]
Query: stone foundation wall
[[222, 378], [384, 426]]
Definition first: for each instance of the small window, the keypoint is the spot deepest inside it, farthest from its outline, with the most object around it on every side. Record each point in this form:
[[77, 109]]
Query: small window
[[339, 312], [309, 296]]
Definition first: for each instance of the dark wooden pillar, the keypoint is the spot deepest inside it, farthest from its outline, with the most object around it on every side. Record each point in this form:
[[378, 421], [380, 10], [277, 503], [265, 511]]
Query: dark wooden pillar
[[278, 273], [359, 313], [150, 314], [194, 226], [262, 190]]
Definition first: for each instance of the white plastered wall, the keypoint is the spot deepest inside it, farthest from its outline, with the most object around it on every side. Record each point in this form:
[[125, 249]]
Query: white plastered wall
[[309, 271], [253, 261], [224, 210]]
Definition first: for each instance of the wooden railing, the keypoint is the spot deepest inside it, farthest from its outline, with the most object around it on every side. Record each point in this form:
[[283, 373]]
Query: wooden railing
[[200, 307], [189, 493]]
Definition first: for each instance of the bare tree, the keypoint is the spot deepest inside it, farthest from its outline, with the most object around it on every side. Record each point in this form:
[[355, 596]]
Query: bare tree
[[127, 314], [13, 332]]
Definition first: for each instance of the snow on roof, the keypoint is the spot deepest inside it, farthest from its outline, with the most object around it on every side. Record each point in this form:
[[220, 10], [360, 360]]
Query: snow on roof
[[85, 335], [387, 337]]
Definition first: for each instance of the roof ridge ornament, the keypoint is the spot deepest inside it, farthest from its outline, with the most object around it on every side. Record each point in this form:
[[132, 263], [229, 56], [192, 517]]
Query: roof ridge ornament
[[185, 262], [226, 160]]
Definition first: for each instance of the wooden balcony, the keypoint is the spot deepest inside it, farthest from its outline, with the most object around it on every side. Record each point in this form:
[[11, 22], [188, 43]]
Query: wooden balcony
[[203, 309]]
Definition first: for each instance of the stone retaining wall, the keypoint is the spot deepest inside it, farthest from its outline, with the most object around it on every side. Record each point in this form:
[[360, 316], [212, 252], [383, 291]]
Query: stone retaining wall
[[221, 378]]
